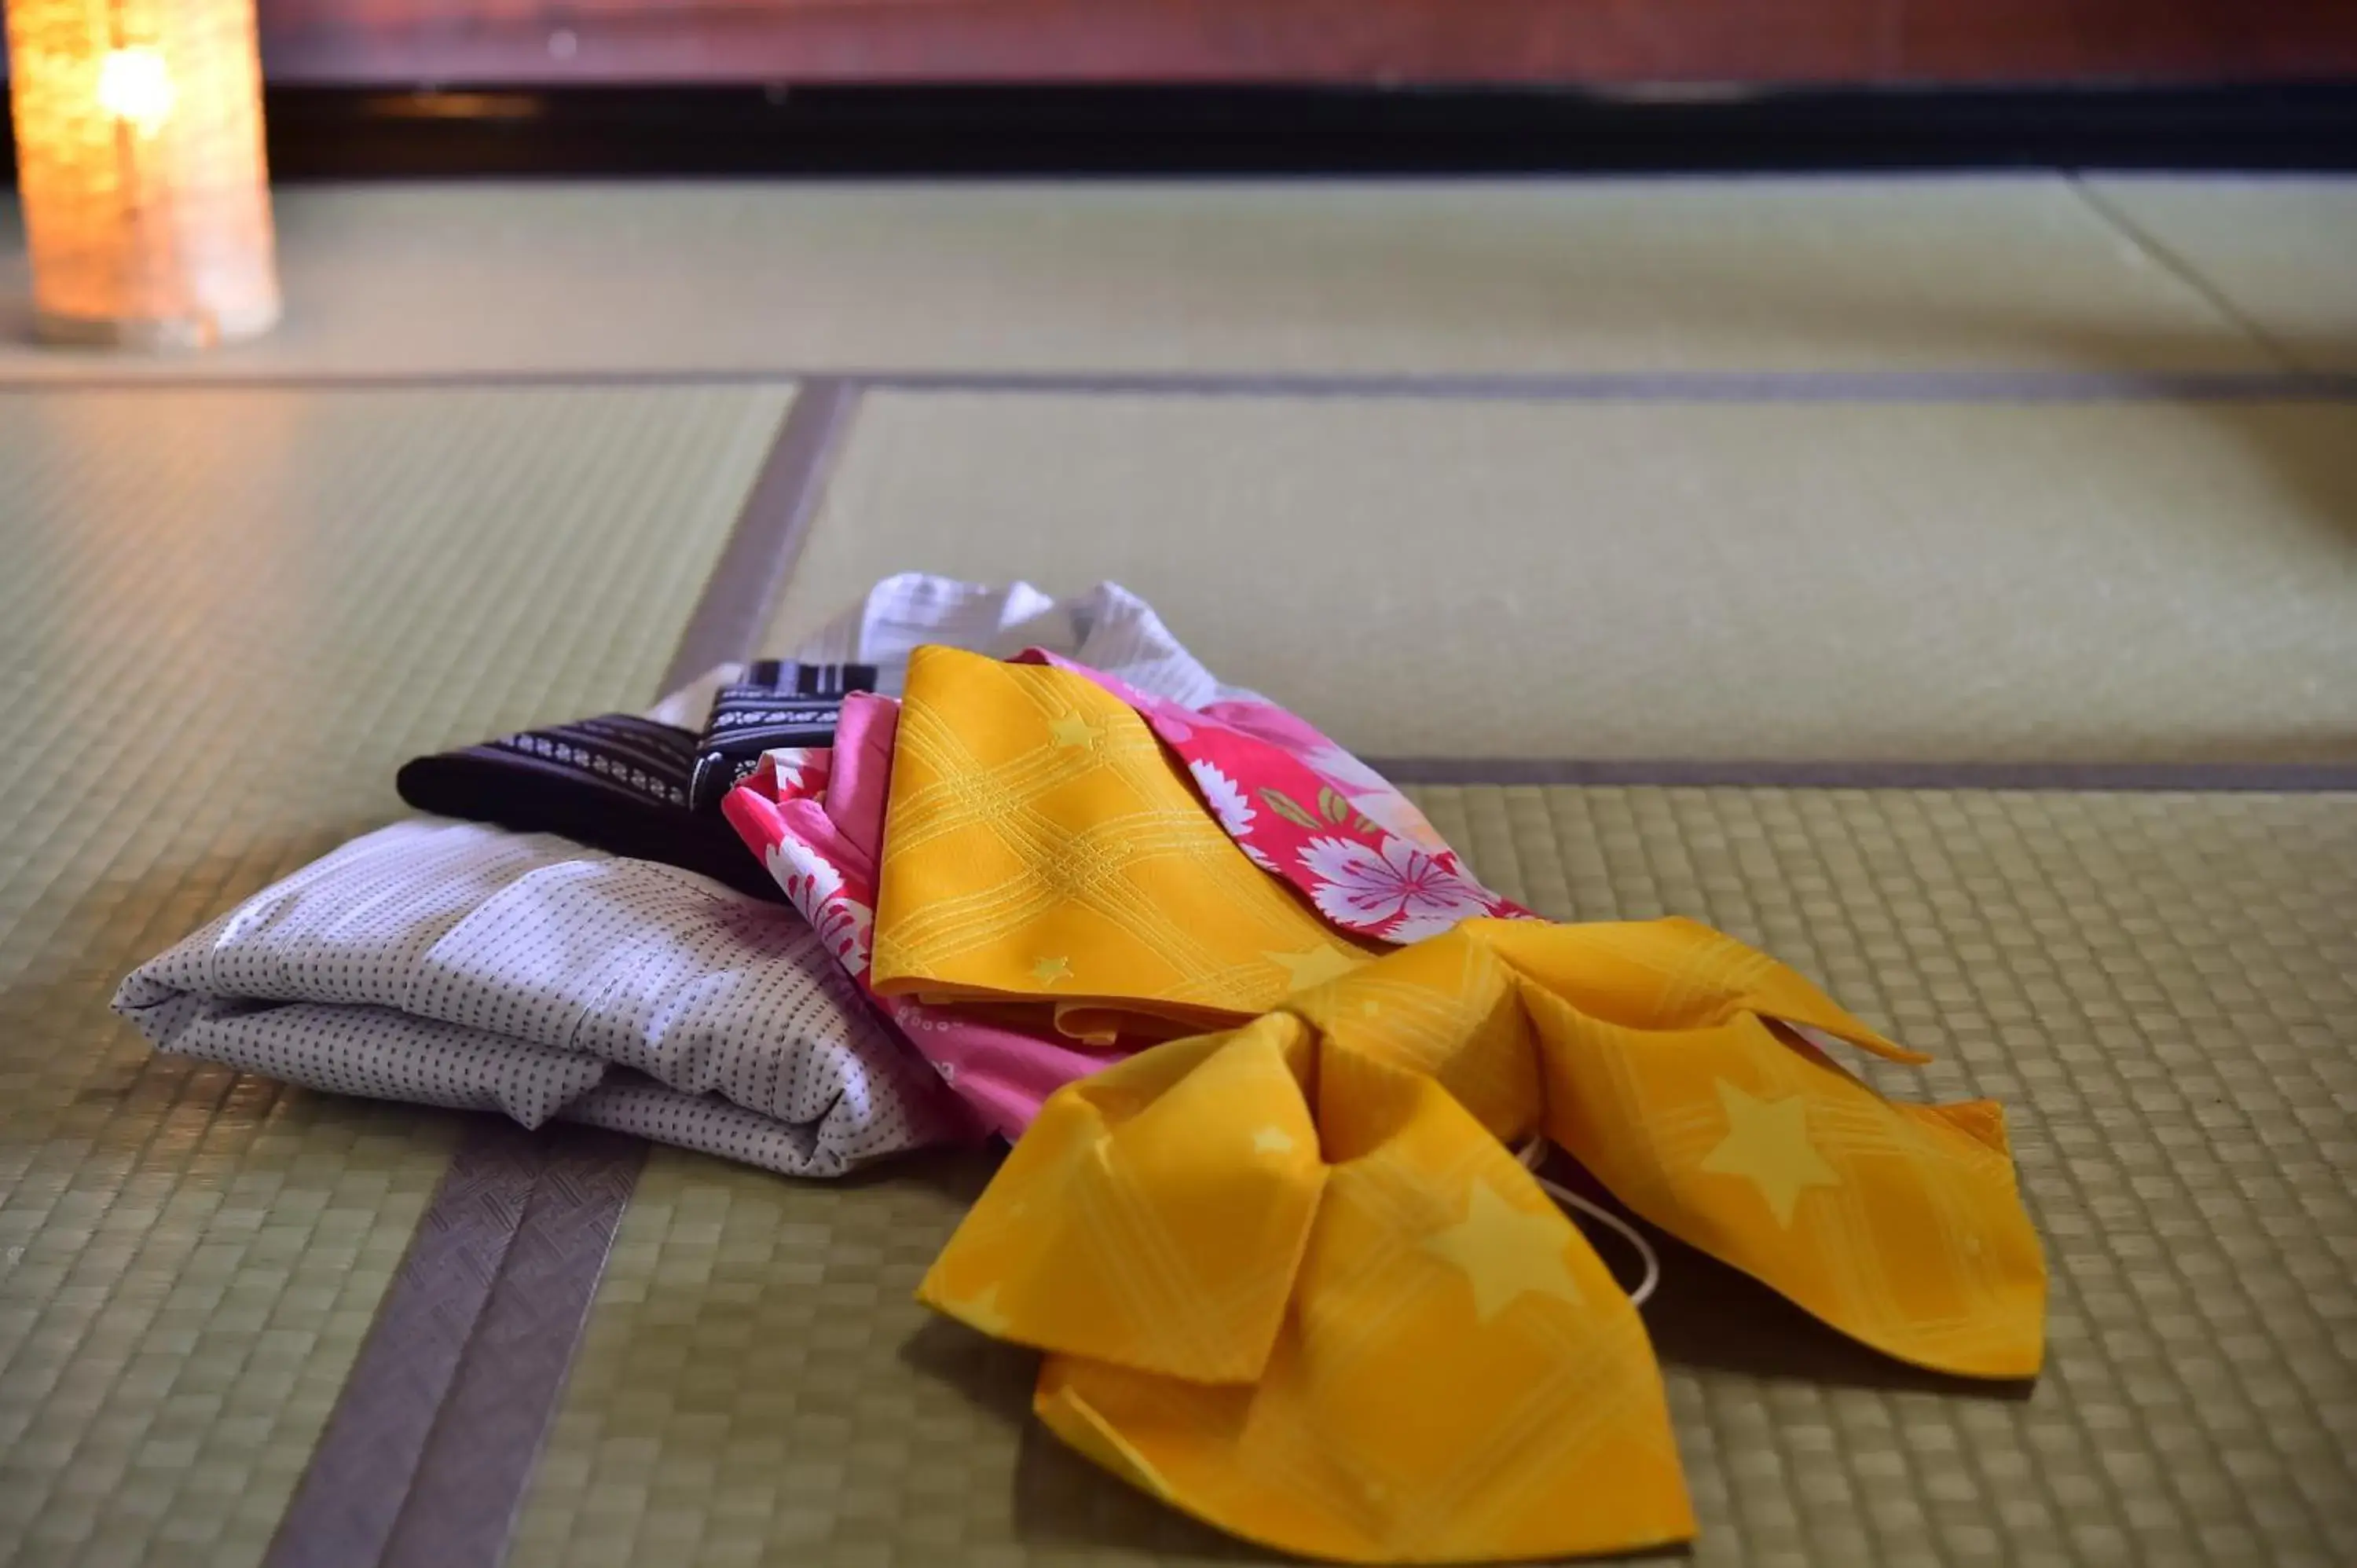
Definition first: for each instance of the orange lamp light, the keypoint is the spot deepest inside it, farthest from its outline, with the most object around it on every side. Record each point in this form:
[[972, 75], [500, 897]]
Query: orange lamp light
[[140, 165]]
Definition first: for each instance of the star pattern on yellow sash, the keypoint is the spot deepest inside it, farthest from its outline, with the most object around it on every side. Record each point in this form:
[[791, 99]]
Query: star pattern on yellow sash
[[1312, 966], [1272, 1141], [1767, 1143], [1049, 971], [1072, 730], [1506, 1253]]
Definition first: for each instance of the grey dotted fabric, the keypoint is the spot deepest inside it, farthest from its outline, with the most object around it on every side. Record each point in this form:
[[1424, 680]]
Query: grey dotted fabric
[[378, 1053], [709, 1124], [459, 964]]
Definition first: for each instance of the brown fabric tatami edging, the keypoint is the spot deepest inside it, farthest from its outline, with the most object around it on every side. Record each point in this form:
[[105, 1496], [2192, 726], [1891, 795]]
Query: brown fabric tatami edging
[[753, 566], [2206, 778], [351, 1494], [1707, 386], [425, 1456], [470, 1479], [433, 1440]]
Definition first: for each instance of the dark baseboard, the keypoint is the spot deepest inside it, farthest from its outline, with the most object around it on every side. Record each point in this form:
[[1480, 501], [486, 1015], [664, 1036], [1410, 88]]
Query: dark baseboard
[[338, 134]]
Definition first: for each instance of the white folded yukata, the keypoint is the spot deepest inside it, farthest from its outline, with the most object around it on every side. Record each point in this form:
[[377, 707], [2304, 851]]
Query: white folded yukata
[[487, 965], [464, 965]]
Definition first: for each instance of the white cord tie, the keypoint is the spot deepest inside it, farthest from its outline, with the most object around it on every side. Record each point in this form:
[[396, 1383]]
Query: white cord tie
[[1533, 1155]]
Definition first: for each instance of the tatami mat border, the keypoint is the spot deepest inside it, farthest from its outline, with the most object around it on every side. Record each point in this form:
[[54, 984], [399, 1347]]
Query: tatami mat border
[[753, 566], [2200, 778], [1999, 386], [425, 1454]]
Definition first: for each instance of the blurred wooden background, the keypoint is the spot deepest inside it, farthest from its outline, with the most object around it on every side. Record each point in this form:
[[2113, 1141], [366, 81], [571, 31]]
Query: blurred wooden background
[[1340, 42]]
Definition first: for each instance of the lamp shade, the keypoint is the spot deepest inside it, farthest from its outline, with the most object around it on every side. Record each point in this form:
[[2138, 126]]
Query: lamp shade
[[140, 165]]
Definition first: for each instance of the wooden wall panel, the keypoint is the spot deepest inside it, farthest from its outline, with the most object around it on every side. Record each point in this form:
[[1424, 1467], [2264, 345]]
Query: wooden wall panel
[[1355, 42]]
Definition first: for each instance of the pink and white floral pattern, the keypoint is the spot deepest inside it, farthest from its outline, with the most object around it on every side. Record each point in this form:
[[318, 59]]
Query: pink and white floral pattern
[[1367, 791], [1309, 812], [1235, 813], [817, 889], [801, 770], [1227, 801], [1392, 886]]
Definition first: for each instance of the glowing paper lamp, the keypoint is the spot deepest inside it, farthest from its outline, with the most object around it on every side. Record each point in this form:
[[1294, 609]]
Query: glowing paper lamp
[[139, 161]]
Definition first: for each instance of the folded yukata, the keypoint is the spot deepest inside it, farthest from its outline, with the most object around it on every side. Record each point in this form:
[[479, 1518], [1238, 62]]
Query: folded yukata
[[773, 705], [635, 784], [1292, 1272], [1108, 627], [817, 830], [451, 963], [649, 785], [824, 1085], [618, 782], [1275, 1064], [1276, 786]]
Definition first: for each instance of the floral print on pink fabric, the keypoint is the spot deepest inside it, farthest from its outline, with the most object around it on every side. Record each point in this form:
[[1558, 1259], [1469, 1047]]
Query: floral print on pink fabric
[[1366, 789], [844, 922], [816, 823], [1309, 812], [1399, 889]]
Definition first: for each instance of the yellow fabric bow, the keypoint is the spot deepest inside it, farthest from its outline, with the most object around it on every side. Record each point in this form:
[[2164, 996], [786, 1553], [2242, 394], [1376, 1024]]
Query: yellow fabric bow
[[1292, 1281], [1289, 1276]]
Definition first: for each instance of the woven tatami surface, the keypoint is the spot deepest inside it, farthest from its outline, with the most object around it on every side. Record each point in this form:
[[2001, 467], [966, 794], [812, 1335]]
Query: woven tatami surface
[[224, 620], [2010, 271], [2162, 988], [227, 615], [1685, 579], [2274, 252]]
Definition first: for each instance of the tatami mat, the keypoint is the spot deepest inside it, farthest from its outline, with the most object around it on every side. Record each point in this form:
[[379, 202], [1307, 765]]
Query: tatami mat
[[1825, 581], [227, 615], [2280, 253], [2162, 989], [224, 620], [2017, 272]]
